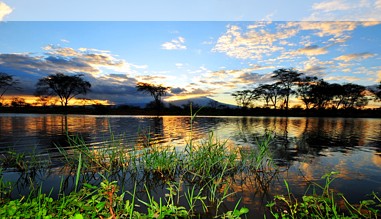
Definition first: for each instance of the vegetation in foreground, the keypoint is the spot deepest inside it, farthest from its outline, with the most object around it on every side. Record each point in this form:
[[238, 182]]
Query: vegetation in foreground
[[152, 181]]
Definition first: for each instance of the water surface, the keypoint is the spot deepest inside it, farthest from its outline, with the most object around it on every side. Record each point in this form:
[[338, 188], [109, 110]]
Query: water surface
[[305, 148]]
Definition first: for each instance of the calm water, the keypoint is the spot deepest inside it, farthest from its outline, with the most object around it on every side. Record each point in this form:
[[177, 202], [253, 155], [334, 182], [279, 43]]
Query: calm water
[[306, 148]]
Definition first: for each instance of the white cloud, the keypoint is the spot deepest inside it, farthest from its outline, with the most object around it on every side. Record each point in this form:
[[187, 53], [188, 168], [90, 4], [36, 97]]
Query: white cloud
[[377, 4], [346, 10], [65, 41], [174, 44], [179, 65], [333, 5], [379, 76], [253, 43], [4, 10]]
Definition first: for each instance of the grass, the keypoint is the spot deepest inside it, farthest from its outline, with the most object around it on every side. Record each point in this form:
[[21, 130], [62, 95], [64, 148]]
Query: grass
[[323, 202]]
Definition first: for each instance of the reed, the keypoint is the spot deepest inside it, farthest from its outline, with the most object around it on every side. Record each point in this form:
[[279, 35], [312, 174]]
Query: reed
[[322, 204]]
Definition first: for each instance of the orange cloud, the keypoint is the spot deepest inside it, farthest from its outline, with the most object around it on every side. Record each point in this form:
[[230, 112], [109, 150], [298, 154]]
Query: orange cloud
[[354, 56], [312, 51]]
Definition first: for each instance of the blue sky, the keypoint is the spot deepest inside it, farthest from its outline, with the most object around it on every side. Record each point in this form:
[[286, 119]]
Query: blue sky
[[195, 55]]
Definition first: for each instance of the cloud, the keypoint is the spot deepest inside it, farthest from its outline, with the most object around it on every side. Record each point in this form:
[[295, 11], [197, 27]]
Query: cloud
[[321, 29], [261, 40], [4, 10], [253, 43], [65, 41], [345, 10], [177, 90], [118, 87], [377, 4], [341, 79], [315, 67], [379, 76], [354, 56], [333, 5], [175, 44], [312, 51]]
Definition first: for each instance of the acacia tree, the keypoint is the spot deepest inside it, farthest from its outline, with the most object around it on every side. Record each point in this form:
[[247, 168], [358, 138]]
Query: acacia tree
[[321, 94], [269, 93], [304, 89], [156, 91], [64, 86], [287, 78], [354, 96], [244, 98], [7, 82]]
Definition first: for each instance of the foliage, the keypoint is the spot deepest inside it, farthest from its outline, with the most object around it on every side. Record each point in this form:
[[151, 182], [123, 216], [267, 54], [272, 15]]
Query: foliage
[[7, 82], [64, 86], [286, 79], [304, 89], [156, 91], [269, 93], [322, 205], [244, 98]]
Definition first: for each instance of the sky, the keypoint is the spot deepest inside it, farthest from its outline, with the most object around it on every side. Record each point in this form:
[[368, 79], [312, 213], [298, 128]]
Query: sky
[[198, 48]]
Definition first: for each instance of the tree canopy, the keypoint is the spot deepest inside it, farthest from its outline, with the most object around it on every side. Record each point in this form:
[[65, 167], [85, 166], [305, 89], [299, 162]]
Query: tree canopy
[[156, 91], [315, 93], [286, 79], [64, 86], [7, 82]]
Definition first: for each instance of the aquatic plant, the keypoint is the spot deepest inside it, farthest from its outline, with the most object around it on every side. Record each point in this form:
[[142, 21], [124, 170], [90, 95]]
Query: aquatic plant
[[323, 204]]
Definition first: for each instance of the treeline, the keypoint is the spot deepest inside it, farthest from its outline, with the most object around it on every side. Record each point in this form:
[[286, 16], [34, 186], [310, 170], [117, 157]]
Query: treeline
[[318, 98], [313, 92]]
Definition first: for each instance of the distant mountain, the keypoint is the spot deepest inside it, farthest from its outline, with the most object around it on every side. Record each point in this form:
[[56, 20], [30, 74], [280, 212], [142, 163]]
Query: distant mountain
[[200, 101]]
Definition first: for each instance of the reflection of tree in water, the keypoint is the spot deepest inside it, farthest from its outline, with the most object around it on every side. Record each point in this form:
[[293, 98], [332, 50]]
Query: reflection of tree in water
[[295, 139], [152, 134]]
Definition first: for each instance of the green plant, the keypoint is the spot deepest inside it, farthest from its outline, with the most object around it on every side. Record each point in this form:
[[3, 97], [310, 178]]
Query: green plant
[[258, 158], [323, 205], [209, 159], [161, 161]]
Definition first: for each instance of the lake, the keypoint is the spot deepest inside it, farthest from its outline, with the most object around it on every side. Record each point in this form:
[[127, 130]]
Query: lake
[[304, 148]]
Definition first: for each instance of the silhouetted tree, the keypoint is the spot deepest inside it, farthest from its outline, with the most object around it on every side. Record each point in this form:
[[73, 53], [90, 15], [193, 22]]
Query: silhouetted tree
[[156, 91], [64, 86], [244, 98], [353, 96], [19, 102], [269, 93], [321, 94], [7, 82], [287, 78], [304, 89]]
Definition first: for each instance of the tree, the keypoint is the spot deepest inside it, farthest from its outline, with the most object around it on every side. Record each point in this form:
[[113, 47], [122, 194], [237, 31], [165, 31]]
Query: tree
[[7, 82], [156, 91], [269, 92], [64, 86], [287, 78], [19, 102], [354, 96], [304, 89], [244, 98], [321, 94]]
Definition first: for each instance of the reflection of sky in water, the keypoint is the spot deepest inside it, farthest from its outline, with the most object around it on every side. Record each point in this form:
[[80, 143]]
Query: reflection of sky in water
[[309, 147]]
